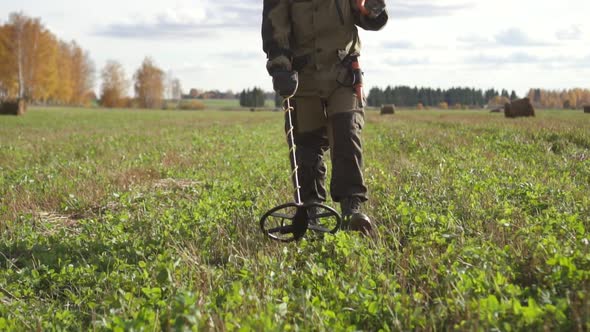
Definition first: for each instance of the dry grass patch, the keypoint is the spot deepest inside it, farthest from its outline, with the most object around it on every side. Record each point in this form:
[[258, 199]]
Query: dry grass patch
[[134, 177], [175, 184], [51, 222]]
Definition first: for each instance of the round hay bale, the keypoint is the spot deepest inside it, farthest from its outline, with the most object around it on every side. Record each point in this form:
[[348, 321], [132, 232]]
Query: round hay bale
[[508, 110], [387, 109], [519, 108], [497, 110], [9, 108], [586, 109]]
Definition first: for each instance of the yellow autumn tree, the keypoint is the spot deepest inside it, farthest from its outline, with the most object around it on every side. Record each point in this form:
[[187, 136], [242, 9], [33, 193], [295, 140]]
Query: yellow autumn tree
[[65, 89], [82, 75], [28, 43], [36, 65], [17, 40], [573, 98], [114, 85], [149, 84], [7, 78], [44, 79], [499, 101]]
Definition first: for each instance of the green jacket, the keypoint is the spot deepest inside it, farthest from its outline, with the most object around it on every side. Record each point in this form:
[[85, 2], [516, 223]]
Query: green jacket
[[311, 36]]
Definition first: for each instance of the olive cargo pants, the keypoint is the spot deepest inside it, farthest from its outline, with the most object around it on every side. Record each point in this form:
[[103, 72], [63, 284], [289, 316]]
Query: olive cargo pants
[[333, 123]]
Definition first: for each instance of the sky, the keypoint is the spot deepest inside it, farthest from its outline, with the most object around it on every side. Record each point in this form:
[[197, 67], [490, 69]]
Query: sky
[[216, 44]]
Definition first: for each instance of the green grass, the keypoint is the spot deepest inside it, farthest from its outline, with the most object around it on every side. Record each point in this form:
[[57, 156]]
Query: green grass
[[148, 220]]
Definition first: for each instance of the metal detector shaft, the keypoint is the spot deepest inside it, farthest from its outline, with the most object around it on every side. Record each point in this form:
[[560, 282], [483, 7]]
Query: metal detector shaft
[[292, 150]]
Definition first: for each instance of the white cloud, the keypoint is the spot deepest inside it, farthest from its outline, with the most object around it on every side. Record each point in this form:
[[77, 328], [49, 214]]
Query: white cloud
[[399, 44], [407, 62], [183, 22], [425, 8], [573, 32], [499, 60], [516, 37], [512, 37]]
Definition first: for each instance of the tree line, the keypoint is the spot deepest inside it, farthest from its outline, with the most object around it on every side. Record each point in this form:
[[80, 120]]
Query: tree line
[[252, 97], [37, 66], [406, 96], [151, 86], [566, 99]]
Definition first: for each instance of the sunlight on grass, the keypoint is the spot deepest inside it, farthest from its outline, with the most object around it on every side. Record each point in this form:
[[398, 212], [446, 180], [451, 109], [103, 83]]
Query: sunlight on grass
[[118, 219]]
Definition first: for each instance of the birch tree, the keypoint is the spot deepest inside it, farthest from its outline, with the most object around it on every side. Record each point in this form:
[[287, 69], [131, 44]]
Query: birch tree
[[149, 84], [114, 85], [37, 65]]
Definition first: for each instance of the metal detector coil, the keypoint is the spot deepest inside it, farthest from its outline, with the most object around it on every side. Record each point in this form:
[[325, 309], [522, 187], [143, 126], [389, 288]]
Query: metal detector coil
[[289, 222]]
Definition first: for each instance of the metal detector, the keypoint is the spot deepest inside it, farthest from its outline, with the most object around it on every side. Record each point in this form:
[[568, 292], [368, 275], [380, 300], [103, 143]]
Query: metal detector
[[289, 222]]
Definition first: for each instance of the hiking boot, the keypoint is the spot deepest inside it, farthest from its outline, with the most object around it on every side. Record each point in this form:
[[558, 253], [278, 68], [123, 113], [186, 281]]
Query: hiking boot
[[352, 217]]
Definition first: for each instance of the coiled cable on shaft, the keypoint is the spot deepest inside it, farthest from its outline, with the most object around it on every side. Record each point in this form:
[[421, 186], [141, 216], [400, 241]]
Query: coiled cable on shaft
[[292, 149]]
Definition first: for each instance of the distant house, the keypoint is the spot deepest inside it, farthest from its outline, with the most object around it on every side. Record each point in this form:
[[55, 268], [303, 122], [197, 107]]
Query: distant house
[[214, 94]]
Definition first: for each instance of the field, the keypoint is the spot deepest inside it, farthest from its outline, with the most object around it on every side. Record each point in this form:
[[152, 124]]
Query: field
[[148, 220]]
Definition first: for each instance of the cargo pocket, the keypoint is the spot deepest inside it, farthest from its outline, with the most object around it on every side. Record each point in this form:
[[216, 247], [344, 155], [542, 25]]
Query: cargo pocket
[[358, 120]]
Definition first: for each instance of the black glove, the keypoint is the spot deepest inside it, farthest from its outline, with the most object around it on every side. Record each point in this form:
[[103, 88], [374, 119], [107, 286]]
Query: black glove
[[285, 82], [375, 7]]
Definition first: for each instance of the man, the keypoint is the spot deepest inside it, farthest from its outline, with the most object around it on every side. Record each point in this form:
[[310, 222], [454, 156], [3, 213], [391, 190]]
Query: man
[[313, 48]]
